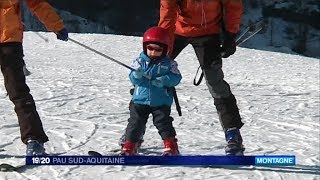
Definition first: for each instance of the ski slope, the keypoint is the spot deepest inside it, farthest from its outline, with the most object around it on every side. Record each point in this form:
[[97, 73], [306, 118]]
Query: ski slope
[[82, 99]]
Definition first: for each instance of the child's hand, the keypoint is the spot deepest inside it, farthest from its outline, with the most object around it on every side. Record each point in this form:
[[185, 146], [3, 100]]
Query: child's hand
[[157, 82], [138, 73]]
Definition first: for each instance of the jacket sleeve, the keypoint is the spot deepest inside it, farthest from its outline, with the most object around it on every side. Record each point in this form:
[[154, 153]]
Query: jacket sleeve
[[46, 14], [168, 16], [174, 77], [136, 81], [232, 13]]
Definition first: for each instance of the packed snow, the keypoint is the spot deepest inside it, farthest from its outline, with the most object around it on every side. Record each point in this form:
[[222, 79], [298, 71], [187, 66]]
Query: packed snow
[[83, 98]]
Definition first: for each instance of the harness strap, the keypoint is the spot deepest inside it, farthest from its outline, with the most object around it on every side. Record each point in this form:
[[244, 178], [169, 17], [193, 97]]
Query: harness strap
[[176, 100], [200, 79]]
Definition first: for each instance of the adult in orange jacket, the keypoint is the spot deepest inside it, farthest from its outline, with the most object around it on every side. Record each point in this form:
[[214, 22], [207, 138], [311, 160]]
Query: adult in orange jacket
[[11, 61], [201, 24]]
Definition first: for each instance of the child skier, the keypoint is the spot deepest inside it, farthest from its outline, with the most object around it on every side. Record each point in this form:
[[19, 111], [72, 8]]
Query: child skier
[[152, 78]]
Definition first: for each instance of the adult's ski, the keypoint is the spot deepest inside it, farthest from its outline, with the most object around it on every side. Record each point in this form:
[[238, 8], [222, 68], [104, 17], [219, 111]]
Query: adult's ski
[[5, 167], [8, 167]]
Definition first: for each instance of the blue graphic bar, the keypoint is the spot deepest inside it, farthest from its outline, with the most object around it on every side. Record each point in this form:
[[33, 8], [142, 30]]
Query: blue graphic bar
[[193, 160]]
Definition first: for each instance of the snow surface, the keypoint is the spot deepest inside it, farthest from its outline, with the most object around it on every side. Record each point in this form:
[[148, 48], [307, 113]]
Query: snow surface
[[83, 99]]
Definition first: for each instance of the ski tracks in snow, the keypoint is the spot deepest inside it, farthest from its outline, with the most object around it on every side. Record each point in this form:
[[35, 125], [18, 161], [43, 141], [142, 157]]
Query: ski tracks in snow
[[83, 100]]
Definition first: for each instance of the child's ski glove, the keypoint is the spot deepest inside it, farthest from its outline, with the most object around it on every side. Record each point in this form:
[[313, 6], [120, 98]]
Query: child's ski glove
[[157, 82], [138, 73]]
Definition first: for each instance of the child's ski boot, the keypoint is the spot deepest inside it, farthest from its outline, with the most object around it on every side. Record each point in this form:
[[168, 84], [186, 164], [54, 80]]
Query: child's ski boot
[[170, 147], [129, 149]]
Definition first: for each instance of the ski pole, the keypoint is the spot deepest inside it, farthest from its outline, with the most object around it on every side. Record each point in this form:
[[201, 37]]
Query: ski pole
[[42, 37], [244, 40], [244, 32], [239, 41], [250, 28], [253, 29], [106, 56]]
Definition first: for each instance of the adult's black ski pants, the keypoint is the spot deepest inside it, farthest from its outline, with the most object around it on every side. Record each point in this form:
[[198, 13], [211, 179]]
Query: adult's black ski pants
[[207, 49], [11, 61]]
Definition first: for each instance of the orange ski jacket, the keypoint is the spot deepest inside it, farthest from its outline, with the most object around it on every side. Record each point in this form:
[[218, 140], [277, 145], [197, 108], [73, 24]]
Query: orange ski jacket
[[11, 27], [194, 18]]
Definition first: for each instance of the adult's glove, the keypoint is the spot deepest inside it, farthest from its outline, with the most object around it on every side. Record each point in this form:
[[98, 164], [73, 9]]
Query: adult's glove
[[138, 73], [229, 45], [62, 34], [157, 82]]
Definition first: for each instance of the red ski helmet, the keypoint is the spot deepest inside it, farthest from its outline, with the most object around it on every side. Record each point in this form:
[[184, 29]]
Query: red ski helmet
[[157, 35]]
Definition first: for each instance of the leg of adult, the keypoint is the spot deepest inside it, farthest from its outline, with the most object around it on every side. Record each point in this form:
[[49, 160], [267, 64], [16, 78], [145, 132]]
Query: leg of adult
[[207, 49], [11, 59]]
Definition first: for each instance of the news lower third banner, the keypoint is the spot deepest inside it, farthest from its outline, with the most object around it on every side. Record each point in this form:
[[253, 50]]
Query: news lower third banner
[[190, 160]]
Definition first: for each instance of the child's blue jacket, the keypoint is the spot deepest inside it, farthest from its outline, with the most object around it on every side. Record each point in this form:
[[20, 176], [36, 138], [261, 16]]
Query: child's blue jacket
[[147, 94]]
